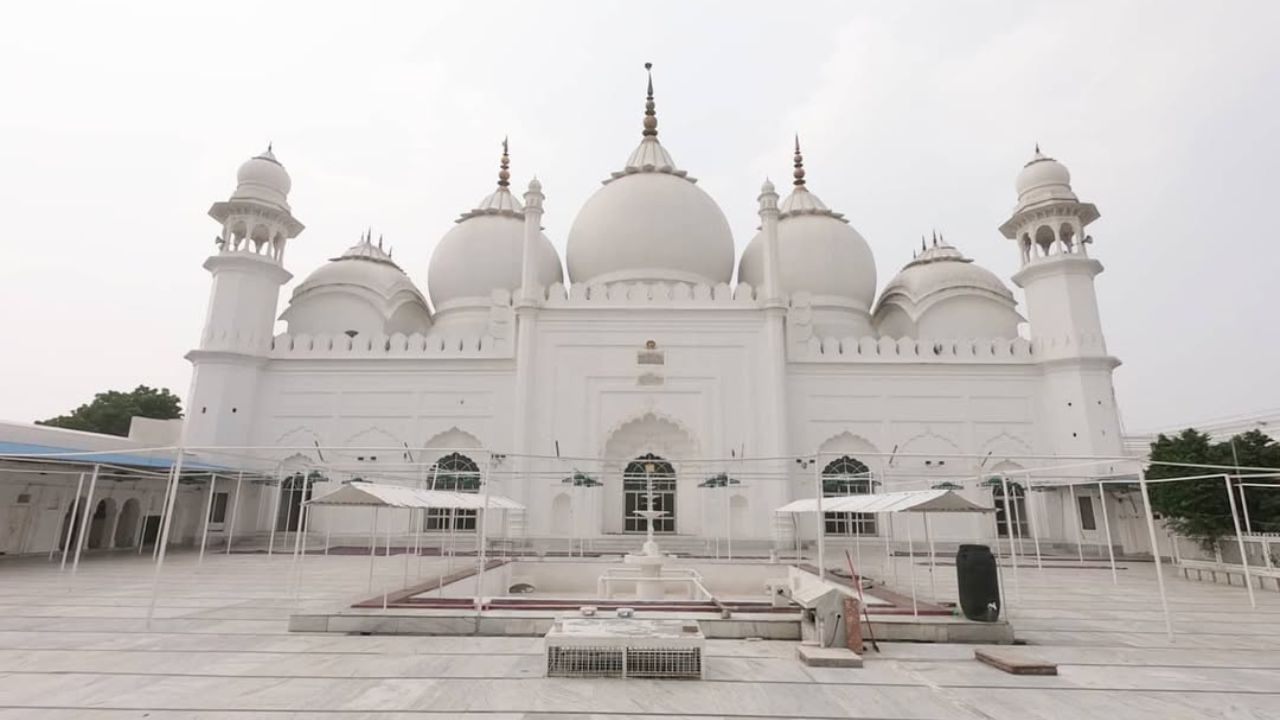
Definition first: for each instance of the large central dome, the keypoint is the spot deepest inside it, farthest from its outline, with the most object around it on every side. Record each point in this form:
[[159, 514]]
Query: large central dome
[[650, 222]]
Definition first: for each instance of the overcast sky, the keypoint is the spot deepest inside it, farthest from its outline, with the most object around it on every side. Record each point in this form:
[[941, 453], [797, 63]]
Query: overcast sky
[[120, 123]]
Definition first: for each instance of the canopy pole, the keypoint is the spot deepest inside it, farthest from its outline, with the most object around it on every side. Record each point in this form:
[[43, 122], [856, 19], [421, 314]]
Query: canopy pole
[[453, 528], [888, 551], [235, 512], [303, 495], [1075, 506], [304, 518], [289, 520], [1008, 531], [1155, 550], [164, 512], [1004, 598], [1035, 528], [328, 533], [1235, 520], [85, 519], [1244, 507], [911, 560], [299, 541], [483, 519], [933, 584], [408, 547], [1017, 519], [275, 513], [166, 525], [142, 525], [417, 541], [75, 520], [822, 519], [208, 512], [1106, 528], [887, 517], [728, 522], [373, 545], [795, 532]]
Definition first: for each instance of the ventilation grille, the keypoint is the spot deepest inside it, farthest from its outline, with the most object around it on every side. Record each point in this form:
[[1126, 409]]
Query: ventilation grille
[[624, 662], [24, 499]]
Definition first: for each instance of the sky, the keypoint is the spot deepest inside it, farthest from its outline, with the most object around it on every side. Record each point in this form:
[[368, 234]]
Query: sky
[[123, 122]]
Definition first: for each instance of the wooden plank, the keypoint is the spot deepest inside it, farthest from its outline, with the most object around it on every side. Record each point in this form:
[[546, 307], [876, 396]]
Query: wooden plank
[[1014, 662]]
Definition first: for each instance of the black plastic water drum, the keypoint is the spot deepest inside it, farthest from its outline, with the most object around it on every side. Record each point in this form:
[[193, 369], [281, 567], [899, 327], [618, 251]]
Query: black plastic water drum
[[978, 582]]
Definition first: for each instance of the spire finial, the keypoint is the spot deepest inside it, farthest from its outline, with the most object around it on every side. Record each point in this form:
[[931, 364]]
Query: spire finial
[[270, 144], [923, 247], [379, 241], [798, 159], [1037, 148], [503, 174], [650, 117]]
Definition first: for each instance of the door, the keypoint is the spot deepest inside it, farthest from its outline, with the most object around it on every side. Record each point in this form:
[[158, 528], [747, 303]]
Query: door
[[645, 477]]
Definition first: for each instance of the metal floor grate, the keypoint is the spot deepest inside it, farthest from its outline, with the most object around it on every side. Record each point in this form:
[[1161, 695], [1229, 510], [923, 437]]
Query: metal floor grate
[[623, 662]]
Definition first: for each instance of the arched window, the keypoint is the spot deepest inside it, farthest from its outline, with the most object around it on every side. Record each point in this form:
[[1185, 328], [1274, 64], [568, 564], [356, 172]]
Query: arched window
[[639, 474], [294, 491], [457, 473], [847, 476], [1017, 505]]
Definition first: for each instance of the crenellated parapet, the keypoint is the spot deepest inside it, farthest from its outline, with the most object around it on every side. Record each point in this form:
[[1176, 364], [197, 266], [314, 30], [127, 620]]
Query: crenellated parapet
[[651, 293], [913, 350], [396, 345]]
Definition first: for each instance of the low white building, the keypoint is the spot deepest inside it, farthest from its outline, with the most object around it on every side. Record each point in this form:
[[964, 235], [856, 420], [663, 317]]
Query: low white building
[[648, 363]]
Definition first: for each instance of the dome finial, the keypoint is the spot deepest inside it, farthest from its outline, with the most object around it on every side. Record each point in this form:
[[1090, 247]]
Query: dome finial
[[798, 159], [650, 116], [503, 174]]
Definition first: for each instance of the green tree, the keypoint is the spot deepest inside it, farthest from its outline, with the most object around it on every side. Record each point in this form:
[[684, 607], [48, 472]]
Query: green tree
[[111, 411], [1201, 508]]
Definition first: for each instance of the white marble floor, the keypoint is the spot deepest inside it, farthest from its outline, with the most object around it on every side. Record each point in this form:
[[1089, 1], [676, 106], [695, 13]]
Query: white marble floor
[[73, 647]]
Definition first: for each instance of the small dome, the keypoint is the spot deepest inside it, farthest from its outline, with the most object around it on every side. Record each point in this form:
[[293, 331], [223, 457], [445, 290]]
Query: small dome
[[941, 293], [1042, 179], [818, 252], [263, 178], [484, 252], [362, 291]]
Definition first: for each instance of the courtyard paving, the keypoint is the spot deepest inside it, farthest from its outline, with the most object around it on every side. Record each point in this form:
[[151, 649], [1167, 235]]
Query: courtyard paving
[[80, 647]]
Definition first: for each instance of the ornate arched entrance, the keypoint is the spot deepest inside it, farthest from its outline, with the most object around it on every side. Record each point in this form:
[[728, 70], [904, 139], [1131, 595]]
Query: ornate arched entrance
[[643, 451]]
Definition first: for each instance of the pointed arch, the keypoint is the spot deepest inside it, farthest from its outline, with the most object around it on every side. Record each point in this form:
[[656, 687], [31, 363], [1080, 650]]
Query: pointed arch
[[301, 437], [848, 443], [651, 431], [1004, 444]]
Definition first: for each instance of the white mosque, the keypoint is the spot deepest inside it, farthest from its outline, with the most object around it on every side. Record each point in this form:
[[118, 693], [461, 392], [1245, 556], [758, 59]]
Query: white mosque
[[649, 353]]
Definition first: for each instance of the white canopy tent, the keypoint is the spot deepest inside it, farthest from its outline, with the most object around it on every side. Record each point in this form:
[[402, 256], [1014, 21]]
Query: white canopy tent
[[921, 501], [377, 496], [369, 494], [891, 502]]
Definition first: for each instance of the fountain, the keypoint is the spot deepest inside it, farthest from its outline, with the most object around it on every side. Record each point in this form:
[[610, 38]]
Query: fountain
[[650, 560]]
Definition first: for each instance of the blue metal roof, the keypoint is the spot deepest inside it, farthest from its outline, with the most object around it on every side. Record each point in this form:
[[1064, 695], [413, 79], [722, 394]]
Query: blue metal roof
[[30, 451]]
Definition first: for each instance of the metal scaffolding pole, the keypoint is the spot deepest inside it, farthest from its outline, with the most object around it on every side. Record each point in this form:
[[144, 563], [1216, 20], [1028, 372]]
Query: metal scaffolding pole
[[85, 518], [208, 513]]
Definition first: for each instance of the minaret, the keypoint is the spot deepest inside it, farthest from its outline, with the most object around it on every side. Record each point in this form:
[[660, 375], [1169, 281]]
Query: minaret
[[528, 299], [1048, 224], [248, 271], [774, 415]]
